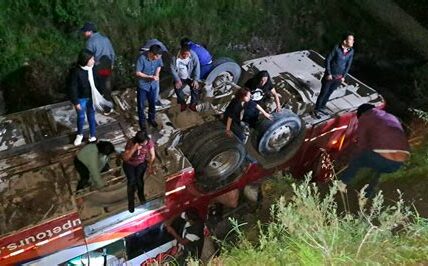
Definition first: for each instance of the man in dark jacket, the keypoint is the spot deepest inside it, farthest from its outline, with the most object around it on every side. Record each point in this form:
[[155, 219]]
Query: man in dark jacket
[[104, 54], [337, 65], [381, 145]]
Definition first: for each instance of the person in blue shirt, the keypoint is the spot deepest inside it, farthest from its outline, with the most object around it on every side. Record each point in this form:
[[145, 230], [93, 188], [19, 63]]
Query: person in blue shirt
[[148, 68], [204, 56], [104, 55], [337, 65]]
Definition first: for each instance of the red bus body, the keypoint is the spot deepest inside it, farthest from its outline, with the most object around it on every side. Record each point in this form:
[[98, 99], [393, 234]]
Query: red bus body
[[63, 238]]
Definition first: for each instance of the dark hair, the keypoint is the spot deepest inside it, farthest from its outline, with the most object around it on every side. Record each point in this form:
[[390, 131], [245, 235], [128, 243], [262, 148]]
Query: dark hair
[[105, 147], [346, 35], [184, 41], [185, 48], [262, 74], [140, 137], [192, 214], [241, 93], [84, 57], [155, 49], [364, 108]]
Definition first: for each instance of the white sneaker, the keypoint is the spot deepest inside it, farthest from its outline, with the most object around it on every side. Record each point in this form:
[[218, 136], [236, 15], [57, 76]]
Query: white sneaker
[[92, 139], [78, 140]]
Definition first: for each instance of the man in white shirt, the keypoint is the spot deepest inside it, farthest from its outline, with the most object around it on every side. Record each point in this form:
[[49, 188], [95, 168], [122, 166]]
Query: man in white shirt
[[185, 69]]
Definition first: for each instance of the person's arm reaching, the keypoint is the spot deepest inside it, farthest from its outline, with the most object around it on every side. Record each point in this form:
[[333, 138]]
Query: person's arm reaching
[[151, 160], [228, 127], [266, 114], [277, 101]]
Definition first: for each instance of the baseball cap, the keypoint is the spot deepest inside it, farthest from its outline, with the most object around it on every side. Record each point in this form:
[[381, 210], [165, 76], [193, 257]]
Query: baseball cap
[[88, 26]]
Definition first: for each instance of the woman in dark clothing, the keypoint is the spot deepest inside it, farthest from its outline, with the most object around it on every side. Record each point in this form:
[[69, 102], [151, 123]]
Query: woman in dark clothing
[[260, 87], [138, 156], [234, 113], [84, 94]]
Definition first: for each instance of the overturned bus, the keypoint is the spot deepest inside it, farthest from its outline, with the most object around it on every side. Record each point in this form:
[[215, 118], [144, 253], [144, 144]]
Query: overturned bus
[[44, 221]]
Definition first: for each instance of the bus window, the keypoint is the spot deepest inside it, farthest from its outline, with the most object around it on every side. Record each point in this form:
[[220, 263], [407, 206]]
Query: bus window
[[112, 254], [150, 239]]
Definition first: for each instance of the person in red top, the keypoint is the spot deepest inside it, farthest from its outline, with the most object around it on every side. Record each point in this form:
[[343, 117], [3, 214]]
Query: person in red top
[[381, 145], [139, 155]]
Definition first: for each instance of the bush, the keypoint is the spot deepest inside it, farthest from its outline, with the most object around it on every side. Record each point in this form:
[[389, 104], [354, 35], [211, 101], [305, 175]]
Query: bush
[[310, 230]]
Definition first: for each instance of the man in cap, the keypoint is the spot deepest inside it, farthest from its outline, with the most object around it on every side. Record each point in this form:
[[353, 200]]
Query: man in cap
[[104, 55]]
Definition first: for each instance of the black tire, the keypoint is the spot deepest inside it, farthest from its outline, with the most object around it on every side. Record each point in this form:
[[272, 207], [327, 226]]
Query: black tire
[[280, 137], [217, 159], [224, 69]]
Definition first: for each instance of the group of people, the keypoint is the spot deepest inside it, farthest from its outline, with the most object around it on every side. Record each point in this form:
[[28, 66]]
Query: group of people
[[91, 90], [91, 80]]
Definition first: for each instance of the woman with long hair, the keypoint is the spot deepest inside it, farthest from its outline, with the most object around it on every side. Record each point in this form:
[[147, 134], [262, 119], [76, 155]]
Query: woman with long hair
[[233, 116], [260, 87], [85, 96], [139, 155]]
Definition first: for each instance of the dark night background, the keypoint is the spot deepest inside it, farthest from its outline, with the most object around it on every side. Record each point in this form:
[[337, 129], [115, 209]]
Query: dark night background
[[39, 40]]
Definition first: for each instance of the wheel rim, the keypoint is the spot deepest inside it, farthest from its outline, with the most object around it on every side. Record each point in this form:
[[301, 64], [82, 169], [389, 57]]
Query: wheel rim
[[279, 138], [222, 163], [221, 85]]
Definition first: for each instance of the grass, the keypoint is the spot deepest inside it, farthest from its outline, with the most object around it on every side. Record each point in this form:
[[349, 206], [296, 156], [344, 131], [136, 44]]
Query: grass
[[40, 39], [309, 229]]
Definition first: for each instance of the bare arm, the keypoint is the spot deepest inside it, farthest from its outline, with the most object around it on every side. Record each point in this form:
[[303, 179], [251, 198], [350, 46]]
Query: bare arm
[[228, 126], [278, 103], [157, 73], [130, 151], [144, 76], [152, 159], [266, 114]]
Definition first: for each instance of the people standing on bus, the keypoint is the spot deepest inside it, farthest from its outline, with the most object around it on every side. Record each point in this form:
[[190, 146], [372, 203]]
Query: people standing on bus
[[90, 162], [192, 237], [261, 88], [185, 70], [165, 54], [85, 96], [139, 155], [204, 56], [103, 51], [381, 145], [148, 69], [337, 65], [235, 111]]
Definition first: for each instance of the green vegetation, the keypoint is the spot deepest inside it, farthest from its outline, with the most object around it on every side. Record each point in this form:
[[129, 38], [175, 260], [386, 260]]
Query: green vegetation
[[39, 40], [310, 229]]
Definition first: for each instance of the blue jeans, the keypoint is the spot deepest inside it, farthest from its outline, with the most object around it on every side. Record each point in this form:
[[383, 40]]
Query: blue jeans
[[194, 93], [205, 70], [142, 96], [327, 88], [372, 160], [87, 107]]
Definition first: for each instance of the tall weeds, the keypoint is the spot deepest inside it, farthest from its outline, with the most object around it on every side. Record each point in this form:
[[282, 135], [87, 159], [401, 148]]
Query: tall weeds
[[310, 229]]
